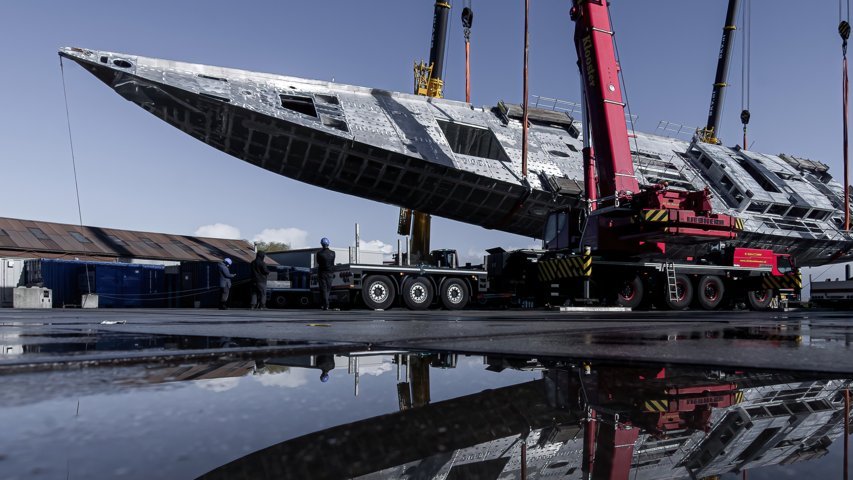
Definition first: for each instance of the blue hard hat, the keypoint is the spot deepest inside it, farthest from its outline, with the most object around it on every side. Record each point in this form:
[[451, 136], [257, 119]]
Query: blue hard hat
[[324, 242], [228, 261]]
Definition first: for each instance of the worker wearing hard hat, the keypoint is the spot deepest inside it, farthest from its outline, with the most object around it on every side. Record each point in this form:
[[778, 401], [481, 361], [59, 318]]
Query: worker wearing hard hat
[[325, 261], [225, 277]]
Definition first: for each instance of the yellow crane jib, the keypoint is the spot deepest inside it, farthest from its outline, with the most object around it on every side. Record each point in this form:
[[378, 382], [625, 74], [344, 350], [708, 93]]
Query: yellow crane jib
[[425, 83]]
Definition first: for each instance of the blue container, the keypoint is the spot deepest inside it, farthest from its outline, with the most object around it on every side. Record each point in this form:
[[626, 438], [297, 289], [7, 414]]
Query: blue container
[[118, 285]]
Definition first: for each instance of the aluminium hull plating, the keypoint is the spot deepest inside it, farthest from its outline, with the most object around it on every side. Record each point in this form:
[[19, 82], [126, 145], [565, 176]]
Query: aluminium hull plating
[[457, 161]]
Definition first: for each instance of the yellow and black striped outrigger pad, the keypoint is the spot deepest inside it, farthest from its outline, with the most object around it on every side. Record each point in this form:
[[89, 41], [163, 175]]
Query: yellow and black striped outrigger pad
[[776, 282], [568, 267], [656, 215]]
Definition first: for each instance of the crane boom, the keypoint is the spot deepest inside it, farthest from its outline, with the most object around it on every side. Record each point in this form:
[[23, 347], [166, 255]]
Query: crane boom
[[600, 72], [654, 213], [712, 129]]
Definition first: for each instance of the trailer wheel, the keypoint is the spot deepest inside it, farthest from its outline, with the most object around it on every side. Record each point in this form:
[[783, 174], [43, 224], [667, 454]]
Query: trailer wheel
[[683, 293], [377, 292], [760, 299], [279, 300], [711, 291], [417, 293], [454, 294], [630, 292]]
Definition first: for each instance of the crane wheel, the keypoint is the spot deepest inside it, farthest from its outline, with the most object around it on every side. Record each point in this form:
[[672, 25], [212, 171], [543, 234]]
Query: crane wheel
[[683, 293], [760, 299], [710, 292], [630, 292], [377, 291], [454, 294], [417, 293]]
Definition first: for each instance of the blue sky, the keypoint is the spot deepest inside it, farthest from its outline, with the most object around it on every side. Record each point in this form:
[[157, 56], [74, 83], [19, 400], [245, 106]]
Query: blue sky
[[137, 172]]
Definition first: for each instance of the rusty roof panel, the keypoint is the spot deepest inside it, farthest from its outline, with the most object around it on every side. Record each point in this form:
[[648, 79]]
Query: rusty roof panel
[[35, 239]]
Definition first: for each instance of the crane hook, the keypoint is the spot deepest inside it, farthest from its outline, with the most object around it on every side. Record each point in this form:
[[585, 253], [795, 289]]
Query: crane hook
[[467, 17]]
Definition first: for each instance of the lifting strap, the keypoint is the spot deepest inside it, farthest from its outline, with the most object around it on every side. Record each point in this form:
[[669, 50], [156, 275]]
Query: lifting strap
[[844, 31]]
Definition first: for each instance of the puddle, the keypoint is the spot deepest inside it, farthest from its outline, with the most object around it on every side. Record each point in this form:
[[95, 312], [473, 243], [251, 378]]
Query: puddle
[[22, 347], [408, 415]]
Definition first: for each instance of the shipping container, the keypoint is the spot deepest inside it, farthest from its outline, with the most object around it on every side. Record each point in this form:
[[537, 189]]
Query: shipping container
[[118, 285]]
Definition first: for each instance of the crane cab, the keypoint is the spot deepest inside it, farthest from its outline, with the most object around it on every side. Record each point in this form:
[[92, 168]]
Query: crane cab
[[564, 229]]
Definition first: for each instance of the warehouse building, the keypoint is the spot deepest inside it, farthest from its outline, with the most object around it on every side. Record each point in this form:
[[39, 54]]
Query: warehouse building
[[23, 240]]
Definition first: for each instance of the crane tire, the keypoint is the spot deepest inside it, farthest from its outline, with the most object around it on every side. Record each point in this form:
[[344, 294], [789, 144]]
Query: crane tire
[[760, 299], [377, 292], [684, 289], [710, 292], [630, 292], [417, 293], [454, 294]]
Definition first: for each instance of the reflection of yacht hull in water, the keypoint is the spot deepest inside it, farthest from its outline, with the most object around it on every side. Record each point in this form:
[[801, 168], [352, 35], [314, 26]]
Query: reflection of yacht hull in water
[[691, 424], [453, 160]]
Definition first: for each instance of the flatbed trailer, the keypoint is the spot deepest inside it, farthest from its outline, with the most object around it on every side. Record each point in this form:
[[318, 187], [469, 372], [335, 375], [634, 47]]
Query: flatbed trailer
[[417, 287], [282, 294]]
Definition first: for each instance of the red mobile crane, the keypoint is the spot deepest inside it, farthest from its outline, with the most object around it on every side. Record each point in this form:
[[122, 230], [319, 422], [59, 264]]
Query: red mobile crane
[[627, 227], [621, 198], [620, 402]]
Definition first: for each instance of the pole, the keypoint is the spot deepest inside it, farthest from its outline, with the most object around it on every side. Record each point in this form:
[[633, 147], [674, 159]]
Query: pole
[[524, 121], [524, 458], [357, 243], [589, 444]]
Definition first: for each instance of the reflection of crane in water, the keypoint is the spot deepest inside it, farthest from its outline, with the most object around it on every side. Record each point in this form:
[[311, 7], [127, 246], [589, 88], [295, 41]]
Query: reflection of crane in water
[[649, 423]]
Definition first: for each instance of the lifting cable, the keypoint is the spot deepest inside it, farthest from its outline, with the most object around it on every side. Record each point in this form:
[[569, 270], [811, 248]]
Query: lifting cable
[[746, 67], [74, 165], [844, 31]]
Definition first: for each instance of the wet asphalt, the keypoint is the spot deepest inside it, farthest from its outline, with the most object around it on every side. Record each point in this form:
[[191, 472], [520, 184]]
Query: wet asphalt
[[798, 340]]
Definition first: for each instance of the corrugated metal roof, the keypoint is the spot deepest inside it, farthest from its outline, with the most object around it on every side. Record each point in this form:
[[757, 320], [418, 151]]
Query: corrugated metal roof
[[34, 239]]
